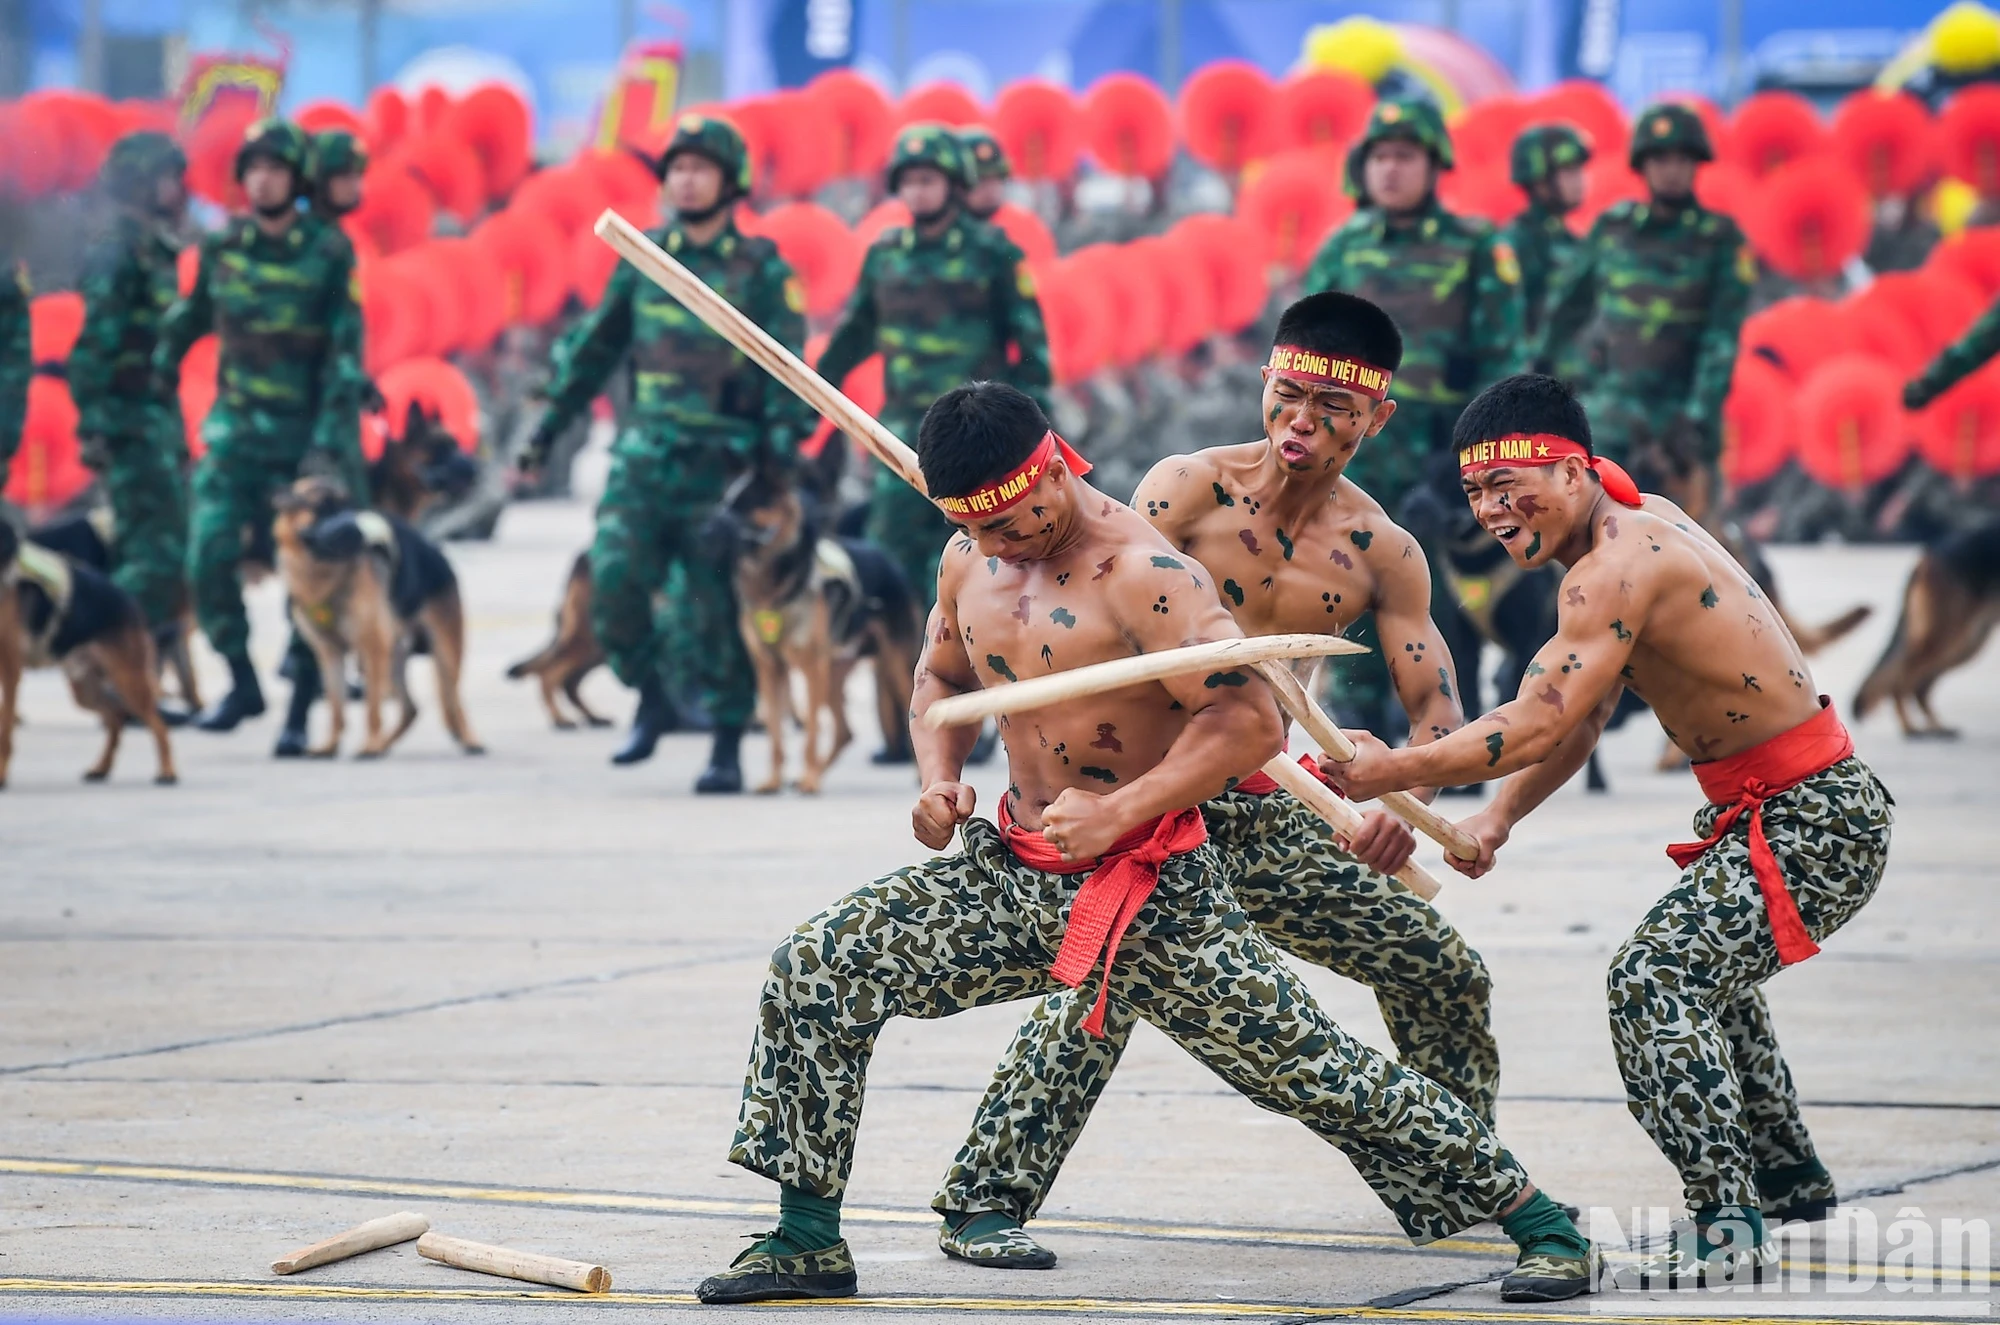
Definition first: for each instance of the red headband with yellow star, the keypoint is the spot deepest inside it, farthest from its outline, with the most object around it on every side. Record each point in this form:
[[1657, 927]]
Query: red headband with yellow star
[[1544, 448]]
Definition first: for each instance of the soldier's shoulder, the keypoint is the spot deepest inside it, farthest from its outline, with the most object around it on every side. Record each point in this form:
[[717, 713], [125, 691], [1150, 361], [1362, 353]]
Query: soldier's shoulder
[[327, 239], [1470, 226], [1719, 226], [763, 250], [994, 240], [894, 237], [1618, 216]]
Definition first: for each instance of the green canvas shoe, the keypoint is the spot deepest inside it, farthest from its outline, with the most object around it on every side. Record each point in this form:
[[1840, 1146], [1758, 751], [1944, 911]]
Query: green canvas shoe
[[992, 1239], [1541, 1276], [764, 1274]]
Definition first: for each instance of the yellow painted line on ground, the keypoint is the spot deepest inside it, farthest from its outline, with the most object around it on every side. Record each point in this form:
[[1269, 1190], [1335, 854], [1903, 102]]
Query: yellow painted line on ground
[[687, 1205], [1084, 1306]]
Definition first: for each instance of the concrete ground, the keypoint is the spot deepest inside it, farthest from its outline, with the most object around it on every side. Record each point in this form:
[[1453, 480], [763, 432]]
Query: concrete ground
[[515, 993]]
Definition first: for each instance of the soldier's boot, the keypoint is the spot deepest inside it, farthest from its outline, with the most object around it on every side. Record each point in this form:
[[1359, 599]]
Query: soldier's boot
[[1556, 1260], [244, 700], [292, 740], [724, 774], [992, 1238], [1803, 1193], [653, 719], [1720, 1246]]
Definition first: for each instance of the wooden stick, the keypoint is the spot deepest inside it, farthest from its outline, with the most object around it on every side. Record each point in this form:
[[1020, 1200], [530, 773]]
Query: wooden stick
[[1346, 820], [1078, 682], [376, 1233], [1333, 741], [510, 1264], [729, 322]]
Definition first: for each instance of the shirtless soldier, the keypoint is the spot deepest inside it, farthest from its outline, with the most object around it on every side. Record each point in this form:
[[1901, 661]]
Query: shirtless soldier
[[1048, 574], [1292, 545], [1795, 834]]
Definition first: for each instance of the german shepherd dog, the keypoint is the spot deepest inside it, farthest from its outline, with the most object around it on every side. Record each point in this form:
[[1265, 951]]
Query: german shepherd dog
[[367, 583], [55, 611], [816, 605], [566, 659], [420, 469], [90, 539], [1950, 606]]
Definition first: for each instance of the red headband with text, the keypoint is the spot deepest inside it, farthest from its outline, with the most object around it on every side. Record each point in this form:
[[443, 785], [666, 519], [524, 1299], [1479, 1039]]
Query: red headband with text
[[1543, 448], [1316, 369], [1005, 491]]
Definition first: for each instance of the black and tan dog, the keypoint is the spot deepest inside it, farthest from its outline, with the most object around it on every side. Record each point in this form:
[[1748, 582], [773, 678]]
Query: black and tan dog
[[91, 539], [59, 612], [571, 655], [816, 605], [369, 584], [1950, 606]]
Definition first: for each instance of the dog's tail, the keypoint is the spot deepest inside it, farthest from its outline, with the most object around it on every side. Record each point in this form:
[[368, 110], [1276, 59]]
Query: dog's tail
[[578, 581], [1814, 638]]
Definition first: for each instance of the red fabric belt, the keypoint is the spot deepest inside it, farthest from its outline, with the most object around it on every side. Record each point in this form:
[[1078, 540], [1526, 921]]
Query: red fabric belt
[[1261, 783], [1744, 782], [1120, 882]]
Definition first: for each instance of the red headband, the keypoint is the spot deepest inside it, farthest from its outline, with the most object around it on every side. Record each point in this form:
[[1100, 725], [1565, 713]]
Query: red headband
[[1316, 369], [1543, 448], [997, 496]]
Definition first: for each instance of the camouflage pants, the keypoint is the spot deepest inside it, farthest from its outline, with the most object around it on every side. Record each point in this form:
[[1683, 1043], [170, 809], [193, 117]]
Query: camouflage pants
[[149, 509], [980, 928], [1689, 1023], [250, 458], [656, 501], [904, 524], [1309, 898]]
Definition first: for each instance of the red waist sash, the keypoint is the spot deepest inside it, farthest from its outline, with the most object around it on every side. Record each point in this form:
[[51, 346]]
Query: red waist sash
[[1261, 783], [1744, 782], [1120, 882]]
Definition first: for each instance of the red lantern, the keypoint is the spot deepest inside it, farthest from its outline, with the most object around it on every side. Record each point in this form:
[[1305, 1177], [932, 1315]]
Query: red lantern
[[1132, 293], [1852, 429], [396, 209], [387, 119], [327, 116], [1939, 307], [1590, 107], [1969, 132], [820, 248], [1226, 114], [48, 468], [939, 103], [440, 391], [1886, 138], [1321, 108], [863, 122], [1958, 434], [1074, 312], [1772, 128], [494, 125], [804, 146], [1028, 231], [1230, 249], [1040, 126], [1128, 126], [451, 174], [1973, 256], [54, 320], [527, 247], [1757, 431], [1809, 218], [1294, 201], [572, 195]]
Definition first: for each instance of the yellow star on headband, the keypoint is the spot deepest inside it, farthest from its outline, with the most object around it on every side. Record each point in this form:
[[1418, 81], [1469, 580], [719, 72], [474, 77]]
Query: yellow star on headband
[[1541, 449], [1034, 472]]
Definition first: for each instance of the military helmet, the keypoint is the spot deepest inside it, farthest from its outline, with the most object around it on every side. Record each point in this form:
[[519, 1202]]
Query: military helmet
[[136, 161], [282, 141], [1669, 127], [932, 145], [336, 152], [984, 156], [717, 139], [1412, 121], [1542, 150]]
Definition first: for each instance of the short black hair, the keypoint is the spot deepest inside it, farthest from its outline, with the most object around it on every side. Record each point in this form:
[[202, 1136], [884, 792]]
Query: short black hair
[[975, 433], [1343, 325], [1523, 403]]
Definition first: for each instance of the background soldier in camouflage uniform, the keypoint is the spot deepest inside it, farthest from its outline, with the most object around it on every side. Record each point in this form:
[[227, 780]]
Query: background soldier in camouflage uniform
[[338, 163], [945, 300], [1453, 287], [700, 414], [1547, 163], [278, 287], [1644, 319], [988, 167], [17, 365], [130, 436]]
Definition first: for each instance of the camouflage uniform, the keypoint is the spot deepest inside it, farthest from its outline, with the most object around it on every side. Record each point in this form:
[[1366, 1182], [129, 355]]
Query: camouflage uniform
[[1957, 361], [1453, 287], [17, 365], [1689, 1023], [135, 438], [700, 414], [942, 310], [1645, 318], [286, 382], [1309, 898], [979, 928], [1539, 236]]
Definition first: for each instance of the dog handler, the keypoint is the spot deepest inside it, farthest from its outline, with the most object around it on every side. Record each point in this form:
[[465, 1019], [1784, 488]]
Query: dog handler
[[1793, 840], [700, 415], [1292, 545], [1099, 877]]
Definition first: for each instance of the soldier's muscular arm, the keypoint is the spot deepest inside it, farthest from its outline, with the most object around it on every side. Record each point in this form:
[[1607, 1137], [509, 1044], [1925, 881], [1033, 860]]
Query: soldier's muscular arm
[[1164, 602], [944, 669], [1165, 496], [1520, 794], [1603, 607], [1420, 665]]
